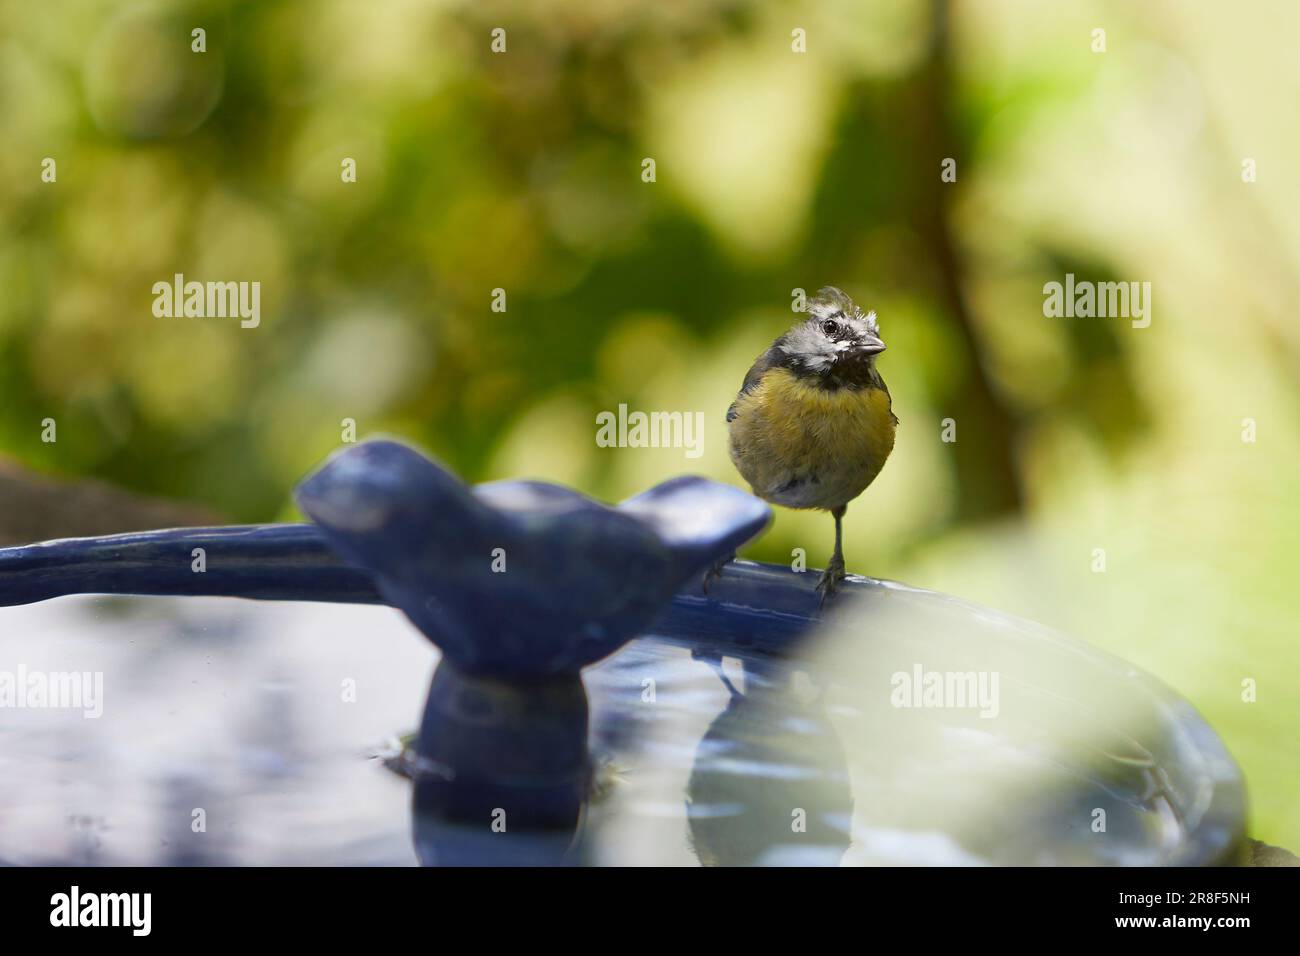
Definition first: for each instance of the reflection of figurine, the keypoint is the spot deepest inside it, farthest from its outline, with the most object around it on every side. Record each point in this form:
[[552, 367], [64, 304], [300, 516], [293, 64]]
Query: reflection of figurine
[[501, 771], [521, 585], [770, 784]]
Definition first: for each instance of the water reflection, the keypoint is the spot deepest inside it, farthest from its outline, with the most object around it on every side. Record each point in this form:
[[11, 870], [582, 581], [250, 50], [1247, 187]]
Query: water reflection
[[770, 783], [233, 732], [243, 733], [501, 770]]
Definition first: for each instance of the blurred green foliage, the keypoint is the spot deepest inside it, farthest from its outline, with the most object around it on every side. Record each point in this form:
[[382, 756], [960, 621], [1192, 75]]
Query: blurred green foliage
[[775, 170]]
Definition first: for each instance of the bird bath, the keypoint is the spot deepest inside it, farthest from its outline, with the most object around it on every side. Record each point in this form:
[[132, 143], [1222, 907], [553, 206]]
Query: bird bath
[[562, 725]]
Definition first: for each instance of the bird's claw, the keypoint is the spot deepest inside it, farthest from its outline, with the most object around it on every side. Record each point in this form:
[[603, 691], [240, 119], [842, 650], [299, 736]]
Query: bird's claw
[[830, 580], [715, 571]]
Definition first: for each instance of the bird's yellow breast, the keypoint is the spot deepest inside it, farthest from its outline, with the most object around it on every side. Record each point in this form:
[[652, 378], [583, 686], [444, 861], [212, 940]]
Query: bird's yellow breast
[[808, 447]]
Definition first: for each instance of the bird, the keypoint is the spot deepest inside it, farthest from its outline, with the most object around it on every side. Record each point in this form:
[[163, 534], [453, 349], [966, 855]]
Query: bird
[[813, 423]]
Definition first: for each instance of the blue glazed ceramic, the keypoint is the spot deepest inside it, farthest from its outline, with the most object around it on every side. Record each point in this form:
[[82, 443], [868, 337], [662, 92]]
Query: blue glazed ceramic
[[520, 579]]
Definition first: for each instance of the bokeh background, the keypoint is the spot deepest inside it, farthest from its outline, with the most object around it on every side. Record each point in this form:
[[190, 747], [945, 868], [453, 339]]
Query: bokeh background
[[775, 170]]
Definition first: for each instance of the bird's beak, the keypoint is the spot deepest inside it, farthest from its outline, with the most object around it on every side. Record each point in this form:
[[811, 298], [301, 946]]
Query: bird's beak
[[870, 345]]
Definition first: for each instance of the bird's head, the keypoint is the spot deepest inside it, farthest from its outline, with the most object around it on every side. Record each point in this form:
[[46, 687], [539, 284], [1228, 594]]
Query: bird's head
[[836, 342]]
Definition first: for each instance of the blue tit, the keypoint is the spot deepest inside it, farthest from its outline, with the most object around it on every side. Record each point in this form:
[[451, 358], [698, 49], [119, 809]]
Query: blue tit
[[813, 423]]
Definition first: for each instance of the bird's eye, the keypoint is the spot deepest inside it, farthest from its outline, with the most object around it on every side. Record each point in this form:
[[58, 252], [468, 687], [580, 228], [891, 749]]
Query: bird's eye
[[831, 327]]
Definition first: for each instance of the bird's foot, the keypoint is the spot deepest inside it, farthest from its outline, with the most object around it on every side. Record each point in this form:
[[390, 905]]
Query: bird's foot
[[715, 571], [830, 580]]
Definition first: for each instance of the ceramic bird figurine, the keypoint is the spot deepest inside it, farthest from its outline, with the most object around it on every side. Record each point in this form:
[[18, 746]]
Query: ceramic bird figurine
[[519, 578]]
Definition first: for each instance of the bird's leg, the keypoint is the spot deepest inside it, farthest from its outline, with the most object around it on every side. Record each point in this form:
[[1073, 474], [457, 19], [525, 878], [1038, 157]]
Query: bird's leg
[[715, 571], [834, 573]]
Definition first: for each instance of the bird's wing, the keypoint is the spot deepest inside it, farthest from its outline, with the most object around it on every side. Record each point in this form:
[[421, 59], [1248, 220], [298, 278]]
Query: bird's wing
[[891, 401], [772, 357]]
